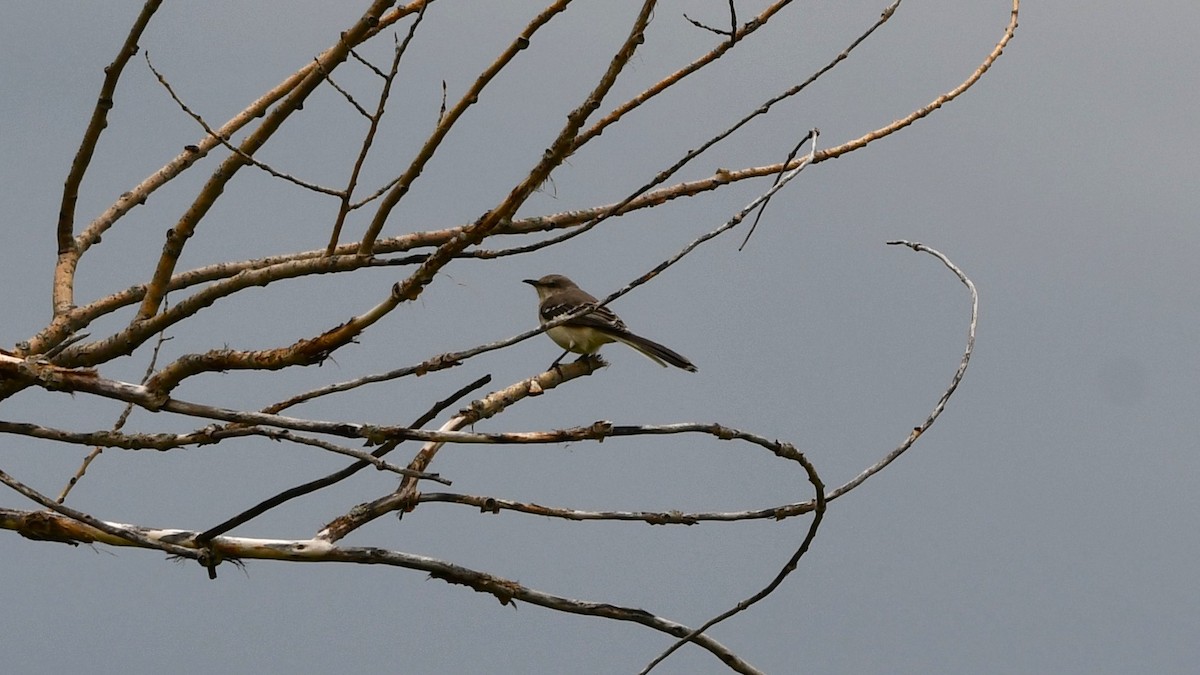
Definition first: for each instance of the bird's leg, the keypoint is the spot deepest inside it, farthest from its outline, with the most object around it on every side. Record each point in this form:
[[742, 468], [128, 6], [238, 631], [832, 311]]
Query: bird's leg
[[554, 366]]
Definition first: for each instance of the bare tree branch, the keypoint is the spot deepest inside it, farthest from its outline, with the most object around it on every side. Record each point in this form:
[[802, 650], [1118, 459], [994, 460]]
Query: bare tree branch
[[68, 250]]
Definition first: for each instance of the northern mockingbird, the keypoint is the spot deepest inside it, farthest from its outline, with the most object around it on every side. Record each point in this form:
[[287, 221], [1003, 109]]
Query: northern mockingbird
[[559, 295]]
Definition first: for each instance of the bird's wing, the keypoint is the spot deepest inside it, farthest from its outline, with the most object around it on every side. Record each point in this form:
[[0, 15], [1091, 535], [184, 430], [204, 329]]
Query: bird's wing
[[601, 318]]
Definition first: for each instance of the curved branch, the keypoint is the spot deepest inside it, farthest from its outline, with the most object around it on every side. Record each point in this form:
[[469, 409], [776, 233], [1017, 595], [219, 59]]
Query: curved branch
[[938, 408], [954, 381], [850, 146], [788, 568], [162, 80]]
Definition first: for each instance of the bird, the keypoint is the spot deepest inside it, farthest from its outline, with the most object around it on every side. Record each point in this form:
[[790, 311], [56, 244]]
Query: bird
[[558, 295]]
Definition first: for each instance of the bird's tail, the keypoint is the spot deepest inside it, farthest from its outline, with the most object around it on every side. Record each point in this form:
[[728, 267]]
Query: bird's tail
[[655, 352]]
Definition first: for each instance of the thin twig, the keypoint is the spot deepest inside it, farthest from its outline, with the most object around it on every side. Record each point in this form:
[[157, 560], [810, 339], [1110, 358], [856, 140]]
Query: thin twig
[[442, 109], [371, 66], [812, 133], [162, 80], [924, 426], [737, 218], [120, 423], [338, 88], [954, 381], [372, 128], [338, 476]]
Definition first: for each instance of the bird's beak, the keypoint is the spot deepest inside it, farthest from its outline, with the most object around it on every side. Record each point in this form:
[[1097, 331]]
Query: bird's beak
[[531, 282]]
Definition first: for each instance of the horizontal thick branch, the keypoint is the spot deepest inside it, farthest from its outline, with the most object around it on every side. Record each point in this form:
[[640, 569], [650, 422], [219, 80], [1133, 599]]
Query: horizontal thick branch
[[43, 526]]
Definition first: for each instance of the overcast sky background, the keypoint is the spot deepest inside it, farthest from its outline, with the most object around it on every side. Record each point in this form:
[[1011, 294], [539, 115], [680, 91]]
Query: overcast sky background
[[1047, 523]]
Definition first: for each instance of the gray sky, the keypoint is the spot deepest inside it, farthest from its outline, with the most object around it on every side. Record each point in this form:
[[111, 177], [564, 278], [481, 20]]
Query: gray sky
[[1045, 524]]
